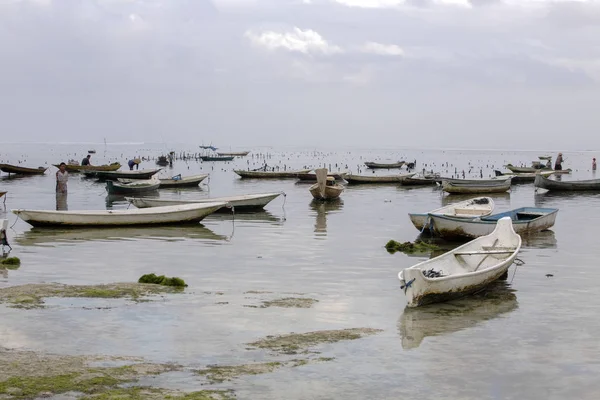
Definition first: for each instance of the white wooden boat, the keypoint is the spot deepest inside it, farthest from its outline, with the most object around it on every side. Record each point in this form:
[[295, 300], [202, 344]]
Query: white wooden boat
[[189, 213], [472, 208], [382, 179], [132, 186], [270, 174], [182, 181], [522, 177], [525, 220], [325, 188], [233, 153], [142, 174], [533, 169], [243, 202], [474, 187], [464, 270], [567, 186], [373, 165]]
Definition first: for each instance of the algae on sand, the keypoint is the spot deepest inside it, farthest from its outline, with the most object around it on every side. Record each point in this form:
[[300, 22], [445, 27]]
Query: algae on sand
[[31, 295], [409, 247], [10, 263], [290, 302], [162, 280], [292, 343]]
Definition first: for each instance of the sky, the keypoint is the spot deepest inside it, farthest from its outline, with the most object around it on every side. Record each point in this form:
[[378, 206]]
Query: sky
[[521, 74]]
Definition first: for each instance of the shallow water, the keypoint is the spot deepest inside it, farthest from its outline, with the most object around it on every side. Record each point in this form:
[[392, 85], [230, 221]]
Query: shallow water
[[530, 337]]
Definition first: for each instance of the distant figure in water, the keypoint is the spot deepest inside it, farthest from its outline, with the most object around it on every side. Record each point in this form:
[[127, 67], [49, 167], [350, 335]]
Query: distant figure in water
[[558, 163], [62, 176], [86, 160], [134, 163], [594, 164]]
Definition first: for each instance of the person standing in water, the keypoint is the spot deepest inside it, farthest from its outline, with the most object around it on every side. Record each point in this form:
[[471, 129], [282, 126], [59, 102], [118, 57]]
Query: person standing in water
[[86, 160], [62, 176], [594, 164], [134, 163], [558, 163]]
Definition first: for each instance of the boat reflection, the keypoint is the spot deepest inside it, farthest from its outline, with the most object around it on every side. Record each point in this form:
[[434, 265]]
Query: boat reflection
[[415, 324], [322, 208], [50, 236], [113, 200], [544, 198], [263, 216], [540, 240]]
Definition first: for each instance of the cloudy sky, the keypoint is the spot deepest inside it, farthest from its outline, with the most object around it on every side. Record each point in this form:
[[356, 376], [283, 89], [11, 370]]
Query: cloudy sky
[[449, 73]]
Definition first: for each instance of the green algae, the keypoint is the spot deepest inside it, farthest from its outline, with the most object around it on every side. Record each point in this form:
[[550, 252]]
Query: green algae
[[162, 280], [409, 247], [14, 262], [32, 295], [290, 302], [145, 393], [222, 373], [296, 342]]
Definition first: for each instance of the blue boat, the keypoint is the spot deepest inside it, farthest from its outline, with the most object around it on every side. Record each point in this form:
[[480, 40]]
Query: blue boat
[[525, 220]]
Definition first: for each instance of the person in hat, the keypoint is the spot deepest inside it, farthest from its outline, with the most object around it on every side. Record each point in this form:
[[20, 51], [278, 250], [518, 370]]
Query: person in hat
[[135, 162], [558, 162]]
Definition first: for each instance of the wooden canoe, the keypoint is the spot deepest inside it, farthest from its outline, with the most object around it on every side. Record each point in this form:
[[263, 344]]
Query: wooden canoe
[[243, 202], [476, 187], [114, 175], [13, 169], [525, 220], [464, 270], [134, 187], [420, 181], [567, 186], [525, 177], [309, 177], [374, 165], [325, 188], [270, 174], [189, 213], [82, 168], [383, 179], [217, 158], [472, 208], [234, 154], [185, 181]]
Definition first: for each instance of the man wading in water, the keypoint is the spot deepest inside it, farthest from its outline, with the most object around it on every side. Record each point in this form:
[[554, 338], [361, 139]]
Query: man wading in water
[[62, 176]]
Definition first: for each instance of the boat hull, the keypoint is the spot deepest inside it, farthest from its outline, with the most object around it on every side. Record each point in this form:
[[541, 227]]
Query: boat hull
[[233, 154], [246, 202], [457, 228], [365, 179], [86, 168], [307, 177], [466, 269], [270, 174], [473, 187], [374, 165], [13, 169], [114, 175], [567, 186], [191, 213], [117, 188], [217, 158], [190, 181], [331, 192], [468, 209]]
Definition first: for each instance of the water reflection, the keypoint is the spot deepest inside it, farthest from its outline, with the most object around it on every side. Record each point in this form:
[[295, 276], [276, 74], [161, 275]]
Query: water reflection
[[45, 236], [540, 240], [264, 217], [544, 198], [415, 324], [120, 200], [322, 208]]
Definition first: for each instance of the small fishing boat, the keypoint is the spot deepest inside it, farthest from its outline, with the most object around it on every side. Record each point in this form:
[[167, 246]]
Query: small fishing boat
[[521, 170], [383, 179], [82, 168], [216, 158], [567, 186], [525, 220], [185, 181], [455, 186], [464, 270], [545, 158], [472, 208], [244, 202], [114, 175], [309, 177], [234, 154], [421, 181], [92, 151], [13, 169], [522, 177], [210, 147], [270, 174], [133, 187], [374, 165], [162, 161], [325, 188], [189, 213]]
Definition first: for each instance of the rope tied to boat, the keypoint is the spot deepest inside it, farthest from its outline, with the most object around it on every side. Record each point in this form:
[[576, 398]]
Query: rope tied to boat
[[518, 262], [406, 285]]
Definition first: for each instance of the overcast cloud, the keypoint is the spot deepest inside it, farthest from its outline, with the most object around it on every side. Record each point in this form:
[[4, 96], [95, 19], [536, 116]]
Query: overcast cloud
[[454, 73]]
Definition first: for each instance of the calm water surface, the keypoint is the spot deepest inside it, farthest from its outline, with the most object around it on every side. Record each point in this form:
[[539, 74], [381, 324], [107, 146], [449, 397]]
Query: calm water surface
[[529, 337]]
